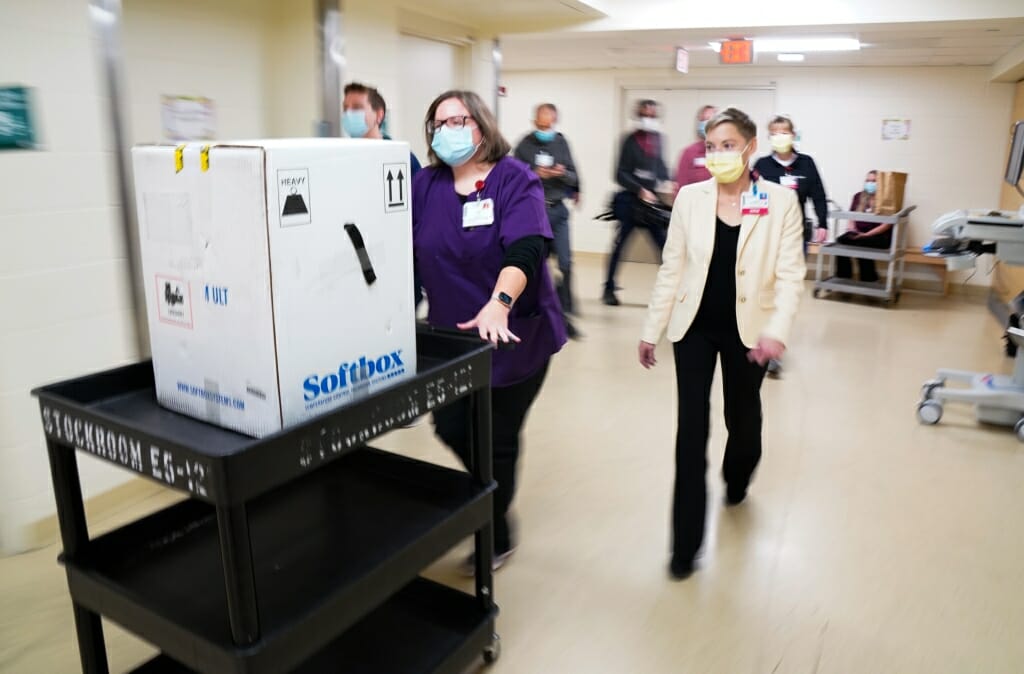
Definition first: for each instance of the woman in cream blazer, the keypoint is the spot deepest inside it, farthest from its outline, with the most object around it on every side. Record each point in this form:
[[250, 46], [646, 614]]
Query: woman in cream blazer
[[729, 286]]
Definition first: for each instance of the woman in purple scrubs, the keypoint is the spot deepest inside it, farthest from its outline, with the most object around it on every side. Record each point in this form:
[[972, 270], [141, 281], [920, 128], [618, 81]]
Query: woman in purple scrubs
[[480, 236]]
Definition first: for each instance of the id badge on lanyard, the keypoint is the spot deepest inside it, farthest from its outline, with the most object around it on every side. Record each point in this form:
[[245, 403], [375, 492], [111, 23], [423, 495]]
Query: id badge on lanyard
[[478, 213], [754, 203]]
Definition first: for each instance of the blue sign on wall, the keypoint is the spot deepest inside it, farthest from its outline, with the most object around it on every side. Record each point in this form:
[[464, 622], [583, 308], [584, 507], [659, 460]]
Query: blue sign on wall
[[16, 130]]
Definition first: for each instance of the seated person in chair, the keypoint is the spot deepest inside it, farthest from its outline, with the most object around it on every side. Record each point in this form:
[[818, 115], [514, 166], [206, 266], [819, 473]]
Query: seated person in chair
[[864, 234]]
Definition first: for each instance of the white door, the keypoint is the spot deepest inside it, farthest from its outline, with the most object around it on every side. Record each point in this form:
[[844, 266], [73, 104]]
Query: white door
[[679, 118], [428, 68]]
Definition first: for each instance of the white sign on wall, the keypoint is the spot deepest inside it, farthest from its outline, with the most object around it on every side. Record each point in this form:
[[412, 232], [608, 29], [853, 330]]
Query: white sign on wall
[[682, 60], [188, 118], [895, 129]]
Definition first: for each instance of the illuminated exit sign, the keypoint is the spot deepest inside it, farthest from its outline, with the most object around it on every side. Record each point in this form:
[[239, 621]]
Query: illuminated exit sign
[[737, 52]]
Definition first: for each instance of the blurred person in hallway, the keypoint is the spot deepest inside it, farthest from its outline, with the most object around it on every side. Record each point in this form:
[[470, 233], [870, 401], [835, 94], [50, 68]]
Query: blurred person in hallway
[[639, 171], [480, 238], [864, 234], [546, 151], [728, 289], [798, 172], [691, 167]]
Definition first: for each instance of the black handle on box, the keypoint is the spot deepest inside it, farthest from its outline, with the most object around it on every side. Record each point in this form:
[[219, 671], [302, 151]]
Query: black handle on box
[[364, 259]]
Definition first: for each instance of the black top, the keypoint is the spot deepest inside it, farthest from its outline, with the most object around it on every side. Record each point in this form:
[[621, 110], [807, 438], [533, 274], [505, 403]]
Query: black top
[[526, 254], [640, 163], [555, 189], [718, 306], [808, 181]]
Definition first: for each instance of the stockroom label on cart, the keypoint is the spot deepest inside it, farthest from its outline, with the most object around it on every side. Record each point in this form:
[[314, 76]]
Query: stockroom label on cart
[[123, 449]]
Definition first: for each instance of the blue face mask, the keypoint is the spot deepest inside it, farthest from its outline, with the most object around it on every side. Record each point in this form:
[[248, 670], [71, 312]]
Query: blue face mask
[[702, 128], [354, 124], [454, 146], [870, 188], [545, 135]]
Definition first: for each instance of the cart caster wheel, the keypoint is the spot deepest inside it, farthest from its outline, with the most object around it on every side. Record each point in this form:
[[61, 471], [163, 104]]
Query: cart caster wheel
[[1019, 429], [928, 389], [929, 412], [493, 651], [816, 294]]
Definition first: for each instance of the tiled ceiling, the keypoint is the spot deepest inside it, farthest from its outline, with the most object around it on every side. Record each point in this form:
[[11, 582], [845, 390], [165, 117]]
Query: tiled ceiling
[[919, 44], [504, 16]]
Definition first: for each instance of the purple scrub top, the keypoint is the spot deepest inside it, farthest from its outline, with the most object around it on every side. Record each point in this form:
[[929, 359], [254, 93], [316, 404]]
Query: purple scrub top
[[458, 267]]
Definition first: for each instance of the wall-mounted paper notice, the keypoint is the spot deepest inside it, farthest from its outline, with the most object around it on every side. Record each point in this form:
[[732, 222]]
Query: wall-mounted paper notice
[[188, 118], [895, 129]]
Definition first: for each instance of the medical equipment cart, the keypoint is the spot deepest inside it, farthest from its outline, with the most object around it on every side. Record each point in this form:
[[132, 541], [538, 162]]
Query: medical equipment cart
[[301, 551], [825, 278], [997, 399]]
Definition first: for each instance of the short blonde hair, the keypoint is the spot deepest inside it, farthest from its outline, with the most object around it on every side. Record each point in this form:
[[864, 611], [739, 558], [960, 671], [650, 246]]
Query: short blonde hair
[[737, 118]]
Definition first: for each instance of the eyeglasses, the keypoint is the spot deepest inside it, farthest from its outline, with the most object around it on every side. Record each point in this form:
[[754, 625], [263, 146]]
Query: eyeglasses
[[455, 123]]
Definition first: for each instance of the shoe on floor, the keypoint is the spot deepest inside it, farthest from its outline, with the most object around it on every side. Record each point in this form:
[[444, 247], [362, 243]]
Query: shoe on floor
[[610, 299], [572, 330], [468, 566], [680, 568], [734, 497]]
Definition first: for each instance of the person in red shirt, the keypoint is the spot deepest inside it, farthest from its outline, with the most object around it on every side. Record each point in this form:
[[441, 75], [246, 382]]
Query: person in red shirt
[[691, 162]]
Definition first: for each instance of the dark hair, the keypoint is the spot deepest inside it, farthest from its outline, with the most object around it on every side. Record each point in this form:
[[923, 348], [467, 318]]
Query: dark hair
[[645, 103], [737, 118], [492, 142], [546, 106], [372, 95], [705, 108], [783, 119]]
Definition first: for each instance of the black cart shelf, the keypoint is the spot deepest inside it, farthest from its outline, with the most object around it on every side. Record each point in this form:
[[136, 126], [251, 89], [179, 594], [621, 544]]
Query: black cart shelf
[[296, 552]]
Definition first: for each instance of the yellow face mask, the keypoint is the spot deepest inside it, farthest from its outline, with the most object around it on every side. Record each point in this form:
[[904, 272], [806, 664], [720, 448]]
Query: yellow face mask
[[726, 167], [782, 142]]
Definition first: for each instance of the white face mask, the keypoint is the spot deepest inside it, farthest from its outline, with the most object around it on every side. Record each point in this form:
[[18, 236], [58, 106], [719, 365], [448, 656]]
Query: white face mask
[[649, 124]]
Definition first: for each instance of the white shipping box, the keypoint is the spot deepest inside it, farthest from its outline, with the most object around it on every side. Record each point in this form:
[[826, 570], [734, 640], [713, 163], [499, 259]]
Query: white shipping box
[[278, 276]]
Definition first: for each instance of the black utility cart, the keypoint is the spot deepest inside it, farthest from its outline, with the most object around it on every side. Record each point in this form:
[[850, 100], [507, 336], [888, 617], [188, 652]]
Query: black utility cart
[[298, 552]]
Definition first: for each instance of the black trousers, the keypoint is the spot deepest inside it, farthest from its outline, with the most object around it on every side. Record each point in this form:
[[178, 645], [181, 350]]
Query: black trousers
[[509, 406], [868, 272], [625, 205], [696, 355], [558, 217]]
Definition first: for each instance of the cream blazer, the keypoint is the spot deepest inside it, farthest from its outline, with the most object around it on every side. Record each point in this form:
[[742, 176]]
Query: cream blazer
[[770, 265]]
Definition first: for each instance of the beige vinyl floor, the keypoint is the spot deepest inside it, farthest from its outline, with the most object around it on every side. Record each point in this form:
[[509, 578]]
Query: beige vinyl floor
[[869, 545]]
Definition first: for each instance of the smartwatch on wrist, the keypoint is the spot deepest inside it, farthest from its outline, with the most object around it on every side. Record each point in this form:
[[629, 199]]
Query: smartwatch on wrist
[[504, 299]]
